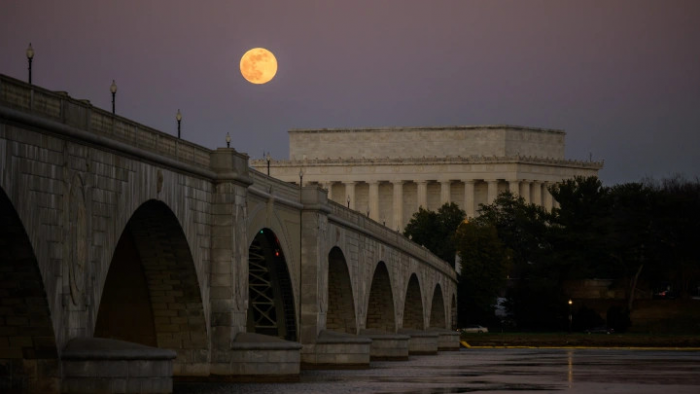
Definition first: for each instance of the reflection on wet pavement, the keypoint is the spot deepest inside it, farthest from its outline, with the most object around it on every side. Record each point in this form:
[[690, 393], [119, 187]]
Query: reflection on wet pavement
[[497, 371]]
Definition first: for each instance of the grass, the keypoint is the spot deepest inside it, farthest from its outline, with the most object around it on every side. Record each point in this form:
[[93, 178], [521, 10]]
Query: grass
[[515, 339]]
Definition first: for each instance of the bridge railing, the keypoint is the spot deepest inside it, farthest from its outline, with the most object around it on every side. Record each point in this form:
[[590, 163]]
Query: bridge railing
[[60, 107], [278, 187], [386, 234]]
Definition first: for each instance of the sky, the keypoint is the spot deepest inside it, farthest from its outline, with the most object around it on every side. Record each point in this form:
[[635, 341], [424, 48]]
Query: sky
[[621, 77]]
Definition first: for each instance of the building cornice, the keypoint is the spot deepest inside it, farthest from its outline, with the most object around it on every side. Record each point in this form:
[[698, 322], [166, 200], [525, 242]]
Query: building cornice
[[427, 129], [596, 165]]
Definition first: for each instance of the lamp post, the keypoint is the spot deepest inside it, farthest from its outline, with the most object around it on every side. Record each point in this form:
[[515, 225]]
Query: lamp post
[[571, 317], [113, 89], [178, 117], [30, 56], [268, 163], [348, 201], [228, 140]]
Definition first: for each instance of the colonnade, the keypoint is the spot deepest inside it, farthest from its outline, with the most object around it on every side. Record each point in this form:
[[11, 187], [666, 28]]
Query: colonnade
[[533, 191]]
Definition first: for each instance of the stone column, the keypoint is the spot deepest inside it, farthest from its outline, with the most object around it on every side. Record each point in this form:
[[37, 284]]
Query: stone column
[[329, 186], [469, 198], [350, 192], [398, 205], [422, 194], [228, 298], [525, 190], [374, 200], [444, 192], [547, 203], [493, 190], [536, 193], [514, 187], [311, 274]]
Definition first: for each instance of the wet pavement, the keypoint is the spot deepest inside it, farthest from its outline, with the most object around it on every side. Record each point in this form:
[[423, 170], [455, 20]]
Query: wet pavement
[[497, 371]]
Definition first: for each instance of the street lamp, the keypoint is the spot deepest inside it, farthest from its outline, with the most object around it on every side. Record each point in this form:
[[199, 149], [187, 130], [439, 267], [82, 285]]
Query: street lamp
[[348, 201], [228, 140], [113, 89], [178, 117], [268, 163], [30, 56], [301, 177], [571, 317]]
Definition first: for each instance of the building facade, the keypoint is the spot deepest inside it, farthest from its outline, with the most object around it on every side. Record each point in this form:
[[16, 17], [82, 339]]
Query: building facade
[[388, 173]]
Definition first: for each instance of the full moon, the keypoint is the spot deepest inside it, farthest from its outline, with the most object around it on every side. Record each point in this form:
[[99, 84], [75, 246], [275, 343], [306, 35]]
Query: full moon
[[258, 66]]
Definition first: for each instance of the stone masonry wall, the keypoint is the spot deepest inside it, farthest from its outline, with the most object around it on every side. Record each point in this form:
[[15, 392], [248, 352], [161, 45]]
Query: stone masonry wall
[[424, 142]]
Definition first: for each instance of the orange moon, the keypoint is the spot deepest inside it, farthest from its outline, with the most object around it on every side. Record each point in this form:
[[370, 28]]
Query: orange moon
[[258, 66]]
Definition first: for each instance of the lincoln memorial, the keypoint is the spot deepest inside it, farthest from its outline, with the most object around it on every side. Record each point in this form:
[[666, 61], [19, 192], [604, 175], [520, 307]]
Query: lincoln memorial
[[388, 173]]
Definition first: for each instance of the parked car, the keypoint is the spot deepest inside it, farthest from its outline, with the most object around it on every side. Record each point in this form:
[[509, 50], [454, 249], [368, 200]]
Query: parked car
[[474, 329], [600, 330]]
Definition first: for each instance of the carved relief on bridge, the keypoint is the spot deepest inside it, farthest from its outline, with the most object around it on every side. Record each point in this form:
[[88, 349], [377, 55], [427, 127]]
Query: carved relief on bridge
[[240, 270], [75, 267], [76, 244], [322, 268]]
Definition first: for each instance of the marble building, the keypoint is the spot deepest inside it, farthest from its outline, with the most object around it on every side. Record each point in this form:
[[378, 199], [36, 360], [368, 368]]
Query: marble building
[[388, 173]]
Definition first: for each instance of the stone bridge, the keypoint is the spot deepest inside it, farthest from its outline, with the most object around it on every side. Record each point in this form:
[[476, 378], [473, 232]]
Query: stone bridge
[[130, 256]]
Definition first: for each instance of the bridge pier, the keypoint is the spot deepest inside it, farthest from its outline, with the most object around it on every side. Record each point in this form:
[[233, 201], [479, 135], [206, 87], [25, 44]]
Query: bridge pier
[[337, 350], [98, 365], [448, 340], [421, 342], [387, 346], [257, 358]]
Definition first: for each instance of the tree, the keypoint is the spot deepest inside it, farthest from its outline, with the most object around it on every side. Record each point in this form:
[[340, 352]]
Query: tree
[[581, 227], [633, 237], [485, 264], [535, 299], [677, 229], [521, 226], [436, 230]]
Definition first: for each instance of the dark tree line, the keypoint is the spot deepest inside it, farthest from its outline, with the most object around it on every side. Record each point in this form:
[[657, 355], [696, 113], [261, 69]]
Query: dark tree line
[[639, 235]]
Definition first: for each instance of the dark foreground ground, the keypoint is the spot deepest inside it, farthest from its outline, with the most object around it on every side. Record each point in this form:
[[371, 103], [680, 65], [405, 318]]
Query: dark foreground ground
[[499, 371]]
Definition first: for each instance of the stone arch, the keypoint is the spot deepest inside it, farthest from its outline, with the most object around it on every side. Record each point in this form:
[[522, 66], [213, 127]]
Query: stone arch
[[271, 304], [413, 305], [380, 307], [265, 217], [341, 314], [437, 309], [151, 294], [29, 356]]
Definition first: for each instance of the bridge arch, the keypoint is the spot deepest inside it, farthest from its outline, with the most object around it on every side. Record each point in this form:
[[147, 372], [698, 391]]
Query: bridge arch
[[413, 305], [151, 294], [381, 314], [437, 309], [341, 315], [271, 306], [26, 328]]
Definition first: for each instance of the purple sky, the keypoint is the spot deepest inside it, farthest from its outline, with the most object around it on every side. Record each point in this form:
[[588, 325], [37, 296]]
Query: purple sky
[[622, 78]]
